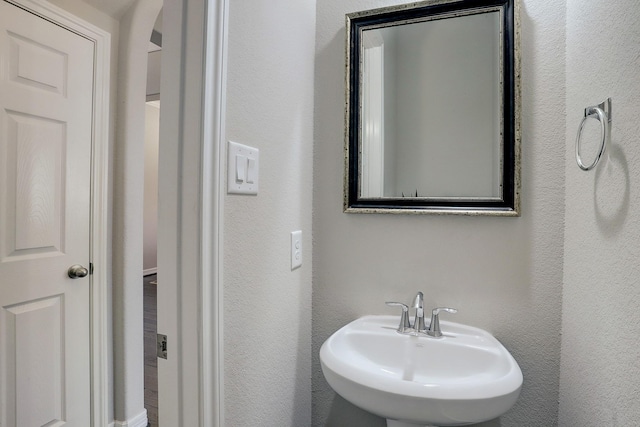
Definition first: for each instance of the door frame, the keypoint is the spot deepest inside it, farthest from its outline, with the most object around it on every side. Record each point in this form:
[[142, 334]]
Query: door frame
[[190, 223], [99, 237]]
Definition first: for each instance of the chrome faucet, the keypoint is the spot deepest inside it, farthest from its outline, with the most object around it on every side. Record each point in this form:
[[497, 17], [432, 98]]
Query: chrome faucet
[[419, 326]]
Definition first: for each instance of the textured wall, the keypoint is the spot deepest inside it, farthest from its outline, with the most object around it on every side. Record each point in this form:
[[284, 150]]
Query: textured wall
[[600, 375], [267, 329], [128, 195], [503, 274]]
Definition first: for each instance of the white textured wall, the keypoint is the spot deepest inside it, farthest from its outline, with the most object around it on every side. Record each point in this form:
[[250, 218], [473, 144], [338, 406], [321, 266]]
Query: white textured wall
[[128, 195], [267, 326], [600, 371], [503, 274]]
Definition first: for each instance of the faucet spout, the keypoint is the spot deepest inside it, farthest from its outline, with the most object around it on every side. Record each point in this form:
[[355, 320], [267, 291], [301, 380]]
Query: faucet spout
[[418, 322], [419, 301]]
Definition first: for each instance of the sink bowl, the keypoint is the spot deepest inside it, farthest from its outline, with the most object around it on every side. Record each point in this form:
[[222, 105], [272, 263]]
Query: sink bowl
[[464, 377]]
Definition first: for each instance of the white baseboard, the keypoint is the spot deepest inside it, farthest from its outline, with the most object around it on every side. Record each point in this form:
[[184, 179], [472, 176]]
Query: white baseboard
[[149, 271], [139, 420]]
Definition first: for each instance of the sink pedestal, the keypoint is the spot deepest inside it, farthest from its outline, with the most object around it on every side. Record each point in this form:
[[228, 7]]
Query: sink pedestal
[[394, 423]]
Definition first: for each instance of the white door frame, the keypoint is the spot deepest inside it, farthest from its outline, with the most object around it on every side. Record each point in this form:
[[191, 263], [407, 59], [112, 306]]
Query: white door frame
[[99, 256], [212, 199], [373, 116], [192, 153]]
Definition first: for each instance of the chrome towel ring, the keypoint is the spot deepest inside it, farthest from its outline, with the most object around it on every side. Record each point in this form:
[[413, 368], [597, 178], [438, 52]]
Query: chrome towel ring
[[601, 112]]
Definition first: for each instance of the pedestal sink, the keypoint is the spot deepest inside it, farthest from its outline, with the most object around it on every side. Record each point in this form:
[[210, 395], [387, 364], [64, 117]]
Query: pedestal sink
[[464, 377]]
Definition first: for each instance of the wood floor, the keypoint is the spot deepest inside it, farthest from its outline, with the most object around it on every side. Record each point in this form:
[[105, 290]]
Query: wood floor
[[150, 360]]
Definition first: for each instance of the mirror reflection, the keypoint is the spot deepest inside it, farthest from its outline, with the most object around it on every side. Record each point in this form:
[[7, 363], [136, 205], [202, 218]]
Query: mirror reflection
[[440, 85], [434, 126]]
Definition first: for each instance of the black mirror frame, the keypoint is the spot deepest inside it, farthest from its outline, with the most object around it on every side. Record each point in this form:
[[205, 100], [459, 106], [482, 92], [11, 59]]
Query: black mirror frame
[[509, 204]]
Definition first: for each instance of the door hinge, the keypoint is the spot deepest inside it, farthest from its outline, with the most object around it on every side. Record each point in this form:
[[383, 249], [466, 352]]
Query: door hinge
[[161, 341]]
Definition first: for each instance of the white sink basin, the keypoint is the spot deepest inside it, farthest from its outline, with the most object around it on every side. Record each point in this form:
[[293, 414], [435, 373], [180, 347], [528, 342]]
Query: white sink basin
[[464, 377]]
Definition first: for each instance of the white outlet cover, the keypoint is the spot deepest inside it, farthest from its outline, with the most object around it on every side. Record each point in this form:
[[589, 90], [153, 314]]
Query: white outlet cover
[[242, 169]]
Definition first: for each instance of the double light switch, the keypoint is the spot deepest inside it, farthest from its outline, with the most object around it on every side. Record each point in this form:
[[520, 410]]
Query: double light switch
[[242, 173]]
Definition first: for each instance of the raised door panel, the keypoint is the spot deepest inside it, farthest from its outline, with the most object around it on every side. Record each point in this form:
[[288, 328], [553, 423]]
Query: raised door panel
[[33, 186], [37, 65], [34, 332]]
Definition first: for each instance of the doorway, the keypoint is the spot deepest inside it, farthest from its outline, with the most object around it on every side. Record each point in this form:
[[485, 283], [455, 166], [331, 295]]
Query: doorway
[[150, 265], [150, 224], [116, 352]]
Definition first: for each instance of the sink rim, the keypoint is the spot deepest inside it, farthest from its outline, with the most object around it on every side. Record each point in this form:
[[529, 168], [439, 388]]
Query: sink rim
[[476, 388]]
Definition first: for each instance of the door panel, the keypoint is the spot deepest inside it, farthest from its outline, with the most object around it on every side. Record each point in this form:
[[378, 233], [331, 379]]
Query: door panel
[[46, 104], [34, 331], [36, 149], [37, 65]]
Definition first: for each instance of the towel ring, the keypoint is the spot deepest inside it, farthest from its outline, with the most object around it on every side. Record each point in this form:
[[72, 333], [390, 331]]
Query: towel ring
[[601, 112]]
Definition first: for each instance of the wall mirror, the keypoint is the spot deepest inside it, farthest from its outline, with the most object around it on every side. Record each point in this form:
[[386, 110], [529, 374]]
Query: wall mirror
[[432, 111]]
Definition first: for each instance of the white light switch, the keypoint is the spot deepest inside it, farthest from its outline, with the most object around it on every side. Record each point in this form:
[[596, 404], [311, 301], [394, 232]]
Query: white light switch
[[242, 165], [251, 171], [296, 249]]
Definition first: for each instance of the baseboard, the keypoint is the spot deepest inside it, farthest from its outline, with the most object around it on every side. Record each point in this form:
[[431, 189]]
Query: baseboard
[[139, 420], [149, 271]]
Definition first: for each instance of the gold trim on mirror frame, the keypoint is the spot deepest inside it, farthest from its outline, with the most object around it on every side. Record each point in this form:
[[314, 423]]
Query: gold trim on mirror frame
[[511, 211]]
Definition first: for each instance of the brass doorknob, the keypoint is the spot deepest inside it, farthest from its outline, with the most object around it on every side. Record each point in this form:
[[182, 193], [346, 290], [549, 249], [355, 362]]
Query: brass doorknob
[[76, 271]]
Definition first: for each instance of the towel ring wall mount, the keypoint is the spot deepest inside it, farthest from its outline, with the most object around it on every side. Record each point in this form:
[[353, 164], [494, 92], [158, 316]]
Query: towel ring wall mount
[[602, 113]]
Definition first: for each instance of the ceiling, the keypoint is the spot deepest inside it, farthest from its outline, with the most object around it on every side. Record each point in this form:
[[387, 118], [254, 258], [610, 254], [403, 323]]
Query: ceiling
[[113, 8], [117, 8]]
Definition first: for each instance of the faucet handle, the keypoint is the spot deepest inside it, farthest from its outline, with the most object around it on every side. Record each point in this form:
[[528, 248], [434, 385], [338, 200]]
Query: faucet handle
[[434, 326], [404, 317]]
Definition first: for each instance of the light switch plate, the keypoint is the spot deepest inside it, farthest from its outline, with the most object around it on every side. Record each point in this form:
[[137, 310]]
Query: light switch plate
[[296, 249], [242, 169]]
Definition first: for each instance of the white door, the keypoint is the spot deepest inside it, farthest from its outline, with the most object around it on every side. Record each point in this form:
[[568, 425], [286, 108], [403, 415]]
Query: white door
[[46, 87]]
